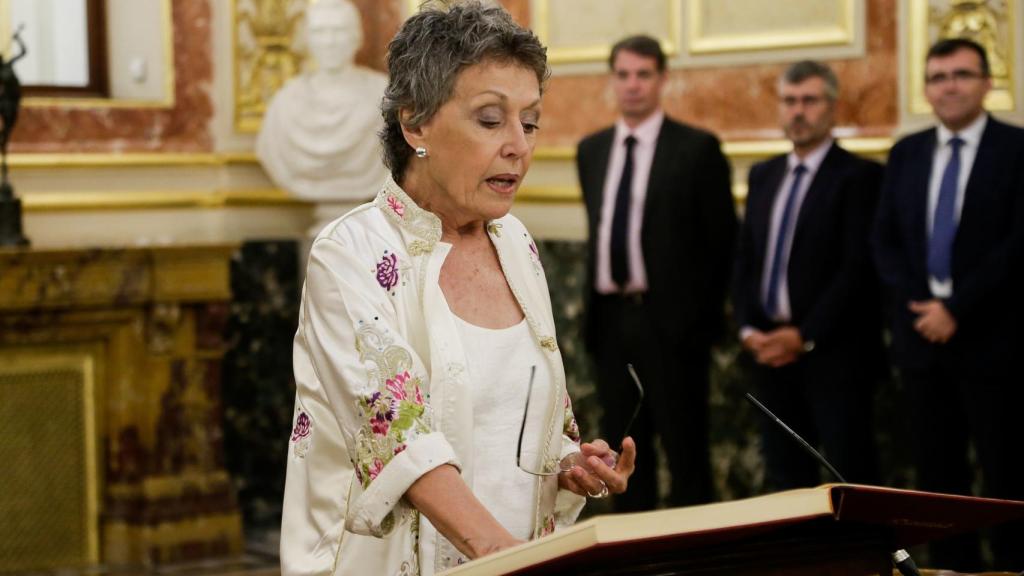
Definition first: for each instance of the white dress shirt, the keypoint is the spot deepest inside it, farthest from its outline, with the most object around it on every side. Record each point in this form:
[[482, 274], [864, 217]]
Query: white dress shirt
[[811, 162], [646, 134], [968, 151], [498, 363]]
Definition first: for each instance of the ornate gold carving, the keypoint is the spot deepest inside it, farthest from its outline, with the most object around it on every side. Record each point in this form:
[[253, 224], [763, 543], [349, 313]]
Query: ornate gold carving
[[991, 23], [162, 327], [263, 35]]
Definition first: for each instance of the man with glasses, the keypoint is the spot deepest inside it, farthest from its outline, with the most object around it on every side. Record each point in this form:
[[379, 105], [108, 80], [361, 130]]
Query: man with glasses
[[806, 296], [948, 244]]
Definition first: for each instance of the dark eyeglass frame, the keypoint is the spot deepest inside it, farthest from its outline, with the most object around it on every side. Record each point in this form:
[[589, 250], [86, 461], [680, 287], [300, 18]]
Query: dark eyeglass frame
[[956, 76], [568, 462]]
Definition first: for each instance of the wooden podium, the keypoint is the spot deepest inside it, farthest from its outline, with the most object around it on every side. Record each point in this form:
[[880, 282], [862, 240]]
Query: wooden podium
[[834, 529]]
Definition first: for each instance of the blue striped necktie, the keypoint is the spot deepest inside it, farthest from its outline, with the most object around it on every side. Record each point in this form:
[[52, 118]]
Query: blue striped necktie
[[944, 224], [771, 301]]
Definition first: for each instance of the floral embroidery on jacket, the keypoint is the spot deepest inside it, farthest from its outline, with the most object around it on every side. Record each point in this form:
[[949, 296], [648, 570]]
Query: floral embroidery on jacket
[[301, 429], [301, 434], [394, 410], [414, 219], [538, 266], [546, 527], [396, 205], [569, 426], [387, 271]]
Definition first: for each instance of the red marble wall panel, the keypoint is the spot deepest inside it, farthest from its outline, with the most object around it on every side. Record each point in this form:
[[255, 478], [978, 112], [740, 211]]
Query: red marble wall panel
[[380, 22], [183, 128], [738, 102]]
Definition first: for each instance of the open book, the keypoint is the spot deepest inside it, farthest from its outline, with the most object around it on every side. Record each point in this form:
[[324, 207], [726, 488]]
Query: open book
[[895, 518]]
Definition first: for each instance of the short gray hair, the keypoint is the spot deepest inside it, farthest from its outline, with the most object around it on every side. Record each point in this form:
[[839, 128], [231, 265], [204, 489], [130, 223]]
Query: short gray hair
[[430, 50], [805, 69]]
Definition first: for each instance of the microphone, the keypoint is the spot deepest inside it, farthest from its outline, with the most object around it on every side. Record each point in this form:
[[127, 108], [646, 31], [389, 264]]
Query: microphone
[[900, 558]]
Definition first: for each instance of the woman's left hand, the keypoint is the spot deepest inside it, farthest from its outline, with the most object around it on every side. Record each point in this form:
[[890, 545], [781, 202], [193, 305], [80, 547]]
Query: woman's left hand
[[600, 470]]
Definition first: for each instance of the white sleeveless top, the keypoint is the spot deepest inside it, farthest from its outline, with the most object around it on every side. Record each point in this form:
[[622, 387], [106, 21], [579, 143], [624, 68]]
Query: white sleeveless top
[[499, 364]]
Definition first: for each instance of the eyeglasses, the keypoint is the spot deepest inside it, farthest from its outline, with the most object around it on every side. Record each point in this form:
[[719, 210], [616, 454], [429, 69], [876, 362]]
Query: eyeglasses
[[957, 77], [566, 464], [806, 101]]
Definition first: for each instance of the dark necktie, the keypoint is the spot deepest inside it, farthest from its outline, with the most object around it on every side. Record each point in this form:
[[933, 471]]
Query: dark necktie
[[940, 247], [771, 301], [620, 220]]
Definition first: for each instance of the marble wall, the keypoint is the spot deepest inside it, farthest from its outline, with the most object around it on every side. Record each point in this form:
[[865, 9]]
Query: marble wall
[[738, 102], [258, 386]]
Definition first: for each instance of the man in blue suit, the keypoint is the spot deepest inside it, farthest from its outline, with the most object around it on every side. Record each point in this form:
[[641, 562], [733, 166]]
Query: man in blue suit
[[948, 244], [806, 297]]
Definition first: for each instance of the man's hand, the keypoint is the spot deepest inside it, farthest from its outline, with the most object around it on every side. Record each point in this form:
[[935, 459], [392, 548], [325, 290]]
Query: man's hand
[[776, 348], [782, 346], [934, 322]]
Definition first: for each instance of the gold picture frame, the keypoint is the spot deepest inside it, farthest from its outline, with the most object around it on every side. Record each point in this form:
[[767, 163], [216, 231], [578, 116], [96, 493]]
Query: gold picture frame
[[841, 32], [598, 52]]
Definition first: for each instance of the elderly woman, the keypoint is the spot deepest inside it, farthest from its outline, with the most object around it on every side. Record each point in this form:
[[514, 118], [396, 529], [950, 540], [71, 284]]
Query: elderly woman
[[426, 329]]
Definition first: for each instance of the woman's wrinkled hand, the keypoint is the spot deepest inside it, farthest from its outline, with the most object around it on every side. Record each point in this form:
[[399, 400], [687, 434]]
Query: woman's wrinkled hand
[[599, 471]]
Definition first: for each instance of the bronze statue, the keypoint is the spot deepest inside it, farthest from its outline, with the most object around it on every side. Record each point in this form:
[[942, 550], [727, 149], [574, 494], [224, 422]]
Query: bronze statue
[[10, 101]]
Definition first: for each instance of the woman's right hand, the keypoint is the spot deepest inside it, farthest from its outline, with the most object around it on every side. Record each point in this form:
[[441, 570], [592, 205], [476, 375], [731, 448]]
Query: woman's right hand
[[599, 470]]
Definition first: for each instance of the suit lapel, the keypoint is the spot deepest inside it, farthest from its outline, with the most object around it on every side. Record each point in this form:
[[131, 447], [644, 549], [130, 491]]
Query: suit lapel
[[775, 173], [917, 196], [825, 175], [597, 175], [984, 169], [663, 153]]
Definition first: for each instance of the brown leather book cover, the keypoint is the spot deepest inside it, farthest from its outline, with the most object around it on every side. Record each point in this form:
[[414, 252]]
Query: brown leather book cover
[[809, 523]]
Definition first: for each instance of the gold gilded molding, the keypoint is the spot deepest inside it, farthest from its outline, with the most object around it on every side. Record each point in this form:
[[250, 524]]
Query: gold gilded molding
[[157, 200], [552, 153], [262, 197], [841, 32], [548, 194], [168, 99], [738, 152], [542, 22], [738, 148], [993, 24], [131, 159], [756, 149], [265, 59]]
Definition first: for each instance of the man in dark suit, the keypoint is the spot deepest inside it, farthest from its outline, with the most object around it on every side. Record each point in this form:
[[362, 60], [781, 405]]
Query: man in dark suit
[[806, 295], [662, 228], [948, 243]]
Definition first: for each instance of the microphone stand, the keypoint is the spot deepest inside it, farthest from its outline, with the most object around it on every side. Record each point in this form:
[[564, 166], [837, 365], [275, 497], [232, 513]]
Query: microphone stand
[[900, 558]]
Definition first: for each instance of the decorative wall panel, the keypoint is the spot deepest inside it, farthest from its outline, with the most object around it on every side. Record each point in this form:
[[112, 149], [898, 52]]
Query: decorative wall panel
[[584, 30], [751, 25]]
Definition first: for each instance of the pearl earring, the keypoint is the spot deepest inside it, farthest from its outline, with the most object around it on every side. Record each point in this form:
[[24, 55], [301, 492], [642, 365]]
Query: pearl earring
[[421, 152]]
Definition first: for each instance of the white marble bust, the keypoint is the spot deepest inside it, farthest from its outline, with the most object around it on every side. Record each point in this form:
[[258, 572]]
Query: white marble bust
[[319, 135]]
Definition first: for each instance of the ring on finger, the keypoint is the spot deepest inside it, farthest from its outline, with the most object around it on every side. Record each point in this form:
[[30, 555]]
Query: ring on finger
[[602, 494]]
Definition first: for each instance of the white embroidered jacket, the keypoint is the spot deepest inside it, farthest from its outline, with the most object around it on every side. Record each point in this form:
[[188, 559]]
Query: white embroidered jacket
[[383, 397]]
